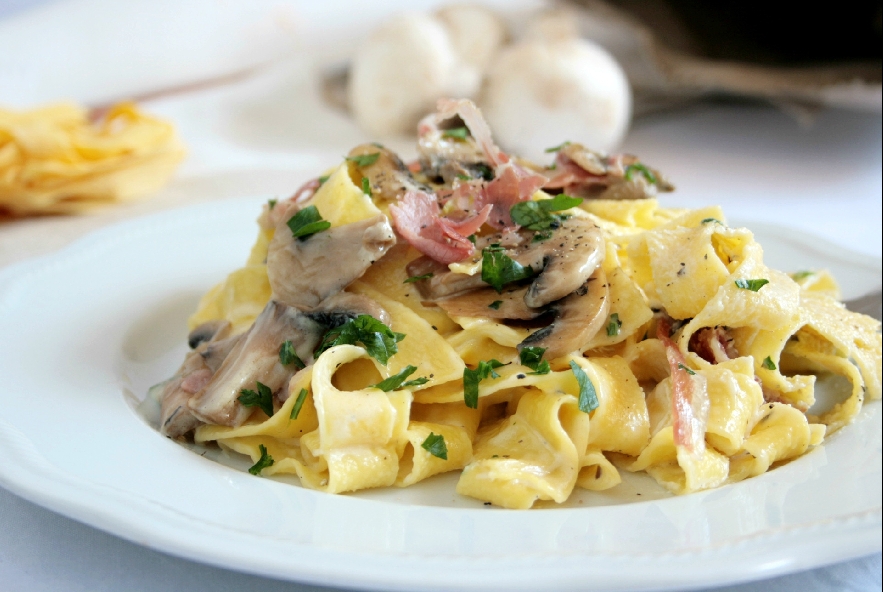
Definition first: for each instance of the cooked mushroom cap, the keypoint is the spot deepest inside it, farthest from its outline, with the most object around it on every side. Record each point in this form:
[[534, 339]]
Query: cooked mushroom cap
[[541, 92], [303, 273], [578, 317]]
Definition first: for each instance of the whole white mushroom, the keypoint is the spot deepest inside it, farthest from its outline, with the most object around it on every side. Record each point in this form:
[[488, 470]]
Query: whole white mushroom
[[476, 33], [542, 92], [399, 72]]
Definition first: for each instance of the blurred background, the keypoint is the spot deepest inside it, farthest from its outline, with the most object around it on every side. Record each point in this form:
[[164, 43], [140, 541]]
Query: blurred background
[[769, 109]]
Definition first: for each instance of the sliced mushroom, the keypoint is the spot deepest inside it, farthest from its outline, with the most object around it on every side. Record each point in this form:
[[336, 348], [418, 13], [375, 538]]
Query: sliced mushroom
[[578, 317], [594, 175], [563, 263], [303, 273], [255, 358], [443, 282], [176, 418], [487, 303], [388, 176], [344, 306], [208, 331], [567, 259]]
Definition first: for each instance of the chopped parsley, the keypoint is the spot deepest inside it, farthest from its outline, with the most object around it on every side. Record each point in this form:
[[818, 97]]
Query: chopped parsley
[[541, 236], [364, 160], [753, 285], [471, 378], [263, 398], [588, 398], [287, 356], [687, 370], [498, 269], [631, 169], [434, 444], [457, 133], [800, 275], [301, 397], [307, 222], [322, 179], [265, 461], [471, 238], [272, 203], [558, 147], [768, 363], [366, 186], [532, 357], [495, 304], [614, 325], [417, 278], [710, 220], [484, 171], [463, 177], [397, 381], [378, 339], [537, 215]]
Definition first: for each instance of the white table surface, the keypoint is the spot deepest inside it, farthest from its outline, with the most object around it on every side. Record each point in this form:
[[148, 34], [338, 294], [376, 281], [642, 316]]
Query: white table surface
[[248, 139]]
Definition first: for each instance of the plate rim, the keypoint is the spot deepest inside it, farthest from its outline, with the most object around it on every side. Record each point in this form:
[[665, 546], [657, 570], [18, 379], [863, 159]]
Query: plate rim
[[864, 526]]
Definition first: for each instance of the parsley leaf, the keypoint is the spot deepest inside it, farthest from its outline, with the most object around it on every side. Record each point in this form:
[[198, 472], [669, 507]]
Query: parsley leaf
[[537, 215], [498, 269], [558, 147], [768, 363], [471, 238], [800, 275], [263, 398], [322, 179], [495, 304], [287, 356], [463, 177], [364, 160], [588, 398], [709, 220], [265, 461], [271, 203], [614, 325], [366, 186], [417, 278], [398, 380], [532, 357], [753, 285], [378, 339], [541, 236], [434, 444], [687, 370], [484, 171], [457, 133], [648, 174], [301, 397], [307, 222], [471, 378]]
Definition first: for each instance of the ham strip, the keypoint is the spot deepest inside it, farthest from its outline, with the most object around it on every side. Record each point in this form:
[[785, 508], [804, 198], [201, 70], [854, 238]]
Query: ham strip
[[689, 397], [417, 218]]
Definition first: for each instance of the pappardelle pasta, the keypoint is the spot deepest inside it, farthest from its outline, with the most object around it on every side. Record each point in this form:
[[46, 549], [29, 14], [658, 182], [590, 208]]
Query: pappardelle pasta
[[538, 328]]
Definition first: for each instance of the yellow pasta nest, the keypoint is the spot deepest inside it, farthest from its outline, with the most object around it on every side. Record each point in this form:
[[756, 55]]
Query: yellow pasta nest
[[529, 438], [54, 160]]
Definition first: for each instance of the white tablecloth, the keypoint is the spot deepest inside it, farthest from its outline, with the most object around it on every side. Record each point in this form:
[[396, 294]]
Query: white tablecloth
[[265, 134]]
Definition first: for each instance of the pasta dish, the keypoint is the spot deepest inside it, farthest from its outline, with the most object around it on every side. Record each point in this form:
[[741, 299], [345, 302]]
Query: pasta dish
[[537, 328]]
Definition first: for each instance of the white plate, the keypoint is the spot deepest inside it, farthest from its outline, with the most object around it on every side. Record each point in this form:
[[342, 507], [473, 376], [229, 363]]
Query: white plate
[[87, 329]]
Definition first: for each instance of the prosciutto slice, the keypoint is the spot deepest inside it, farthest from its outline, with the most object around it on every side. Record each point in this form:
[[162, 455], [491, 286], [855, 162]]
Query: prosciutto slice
[[417, 217], [689, 396]]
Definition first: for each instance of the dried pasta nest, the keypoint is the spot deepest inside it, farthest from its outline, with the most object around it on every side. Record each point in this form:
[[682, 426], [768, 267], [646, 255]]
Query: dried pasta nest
[[56, 160]]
